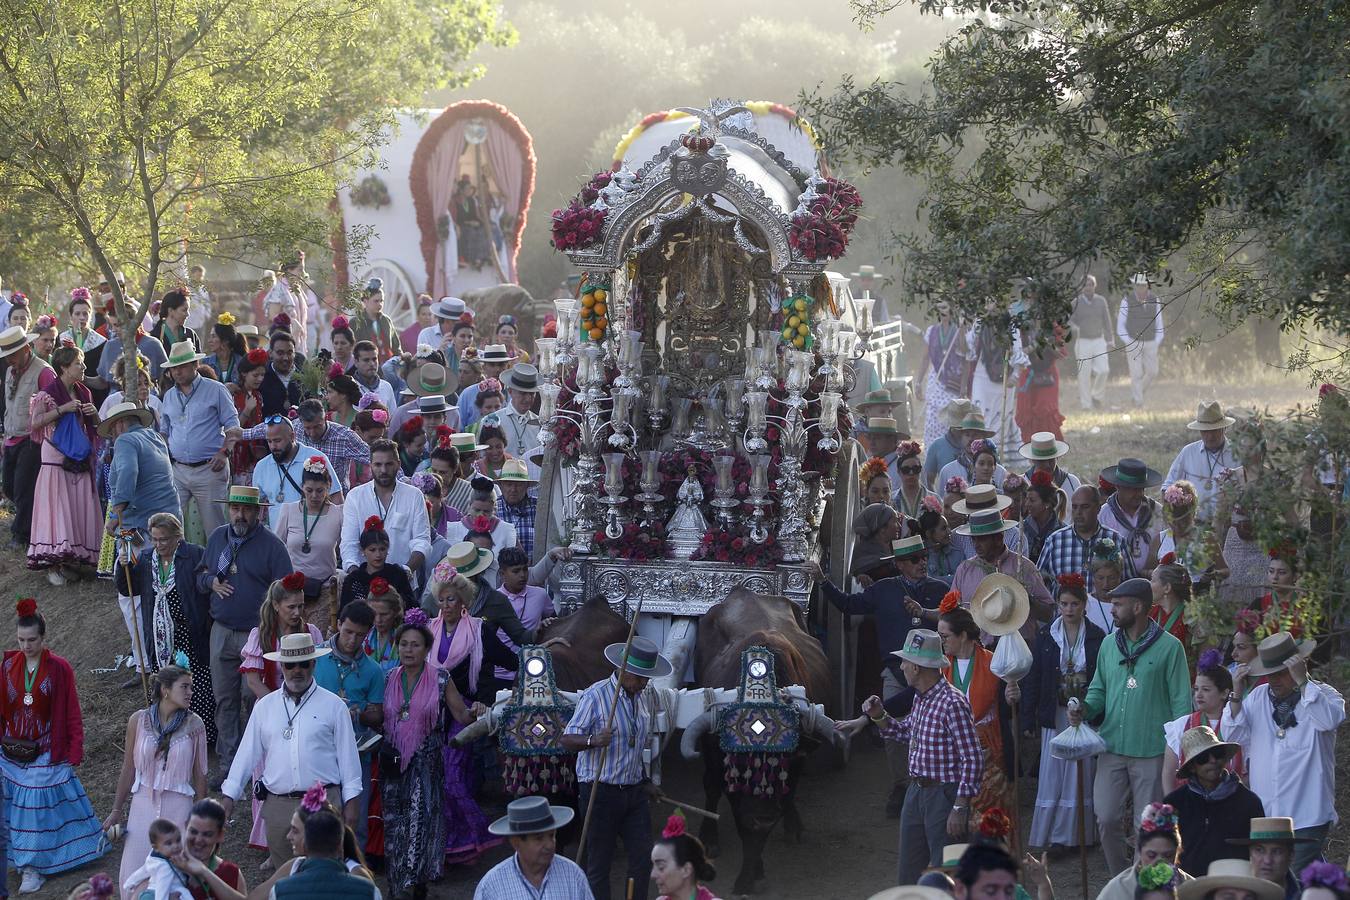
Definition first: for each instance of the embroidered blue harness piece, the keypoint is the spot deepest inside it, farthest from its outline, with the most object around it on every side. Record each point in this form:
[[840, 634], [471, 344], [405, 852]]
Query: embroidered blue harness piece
[[758, 722], [532, 722]]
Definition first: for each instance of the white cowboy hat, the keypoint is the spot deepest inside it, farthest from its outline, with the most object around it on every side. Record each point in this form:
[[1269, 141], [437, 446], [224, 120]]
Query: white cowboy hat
[[183, 353], [469, 559], [296, 648], [121, 411], [979, 498], [1234, 873]]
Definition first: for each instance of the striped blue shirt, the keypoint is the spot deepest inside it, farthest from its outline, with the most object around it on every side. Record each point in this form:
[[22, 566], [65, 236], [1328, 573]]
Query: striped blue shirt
[[631, 730], [564, 880]]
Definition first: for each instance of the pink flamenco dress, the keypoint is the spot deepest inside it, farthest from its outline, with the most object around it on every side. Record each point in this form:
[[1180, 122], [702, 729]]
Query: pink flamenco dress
[[253, 661], [67, 522]]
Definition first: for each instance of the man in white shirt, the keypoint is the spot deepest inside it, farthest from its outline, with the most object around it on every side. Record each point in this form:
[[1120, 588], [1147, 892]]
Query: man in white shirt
[[302, 734], [278, 475], [1139, 325], [518, 421], [1288, 727], [367, 374], [1202, 462], [398, 504], [439, 336]]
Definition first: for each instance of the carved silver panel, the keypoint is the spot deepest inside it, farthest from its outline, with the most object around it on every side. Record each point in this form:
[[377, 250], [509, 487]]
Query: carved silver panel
[[673, 587]]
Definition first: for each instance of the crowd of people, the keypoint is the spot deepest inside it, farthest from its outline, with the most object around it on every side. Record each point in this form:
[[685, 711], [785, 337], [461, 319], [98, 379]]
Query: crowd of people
[[325, 584]]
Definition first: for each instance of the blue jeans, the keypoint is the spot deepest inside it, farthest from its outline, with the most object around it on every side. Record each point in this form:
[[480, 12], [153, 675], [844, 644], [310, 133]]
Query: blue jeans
[[363, 813], [4, 839]]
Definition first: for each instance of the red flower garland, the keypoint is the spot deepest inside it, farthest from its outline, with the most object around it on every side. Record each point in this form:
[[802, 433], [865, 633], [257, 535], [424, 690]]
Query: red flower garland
[[294, 582]]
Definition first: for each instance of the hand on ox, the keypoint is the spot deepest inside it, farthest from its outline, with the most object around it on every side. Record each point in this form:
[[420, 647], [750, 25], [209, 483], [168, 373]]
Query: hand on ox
[[848, 728]]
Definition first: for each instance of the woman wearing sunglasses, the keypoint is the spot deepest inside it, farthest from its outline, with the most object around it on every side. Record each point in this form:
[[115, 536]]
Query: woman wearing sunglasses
[[910, 494]]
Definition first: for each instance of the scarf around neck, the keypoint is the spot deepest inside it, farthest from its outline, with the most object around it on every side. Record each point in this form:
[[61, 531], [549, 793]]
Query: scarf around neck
[[165, 732], [1226, 787], [423, 710], [466, 642], [1128, 658], [1139, 530]]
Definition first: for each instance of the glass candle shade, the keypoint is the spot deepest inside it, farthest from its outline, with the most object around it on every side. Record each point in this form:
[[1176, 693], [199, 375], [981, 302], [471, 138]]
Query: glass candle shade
[[589, 368], [799, 369], [735, 397], [712, 413], [614, 474], [660, 384], [829, 411], [623, 403], [680, 427], [651, 467], [863, 312], [546, 349], [722, 468], [548, 399], [756, 405], [759, 473], [630, 349]]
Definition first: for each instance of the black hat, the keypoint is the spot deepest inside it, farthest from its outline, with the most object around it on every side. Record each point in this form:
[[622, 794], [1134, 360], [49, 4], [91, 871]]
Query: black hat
[[531, 815], [1130, 472], [1135, 588]]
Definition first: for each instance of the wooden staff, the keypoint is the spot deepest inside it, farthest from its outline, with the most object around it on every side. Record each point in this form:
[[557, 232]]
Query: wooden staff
[[1017, 793], [1082, 832], [141, 661], [609, 723], [662, 798]]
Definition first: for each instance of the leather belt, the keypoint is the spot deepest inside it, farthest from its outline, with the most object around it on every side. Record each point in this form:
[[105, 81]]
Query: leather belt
[[192, 465], [293, 795]]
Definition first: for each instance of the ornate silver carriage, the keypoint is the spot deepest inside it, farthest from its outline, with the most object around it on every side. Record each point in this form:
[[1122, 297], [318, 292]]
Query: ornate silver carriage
[[697, 431]]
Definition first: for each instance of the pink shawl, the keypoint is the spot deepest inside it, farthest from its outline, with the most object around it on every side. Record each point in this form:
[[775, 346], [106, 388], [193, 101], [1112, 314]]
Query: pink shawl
[[466, 642], [423, 711]]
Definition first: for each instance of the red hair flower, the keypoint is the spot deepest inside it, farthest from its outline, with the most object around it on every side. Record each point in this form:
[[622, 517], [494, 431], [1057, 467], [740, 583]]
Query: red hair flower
[[257, 356], [950, 601], [482, 524], [340, 322], [1326, 388], [995, 823], [1248, 620], [1072, 580], [674, 826], [1168, 558], [378, 586], [281, 321], [335, 371], [1042, 478], [374, 523], [294, 582], [412, 426], [26, 607]]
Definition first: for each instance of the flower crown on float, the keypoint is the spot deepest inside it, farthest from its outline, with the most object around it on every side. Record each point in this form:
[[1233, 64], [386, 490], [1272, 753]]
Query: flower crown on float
[[316, 464], [294, 582], [950, 601], [955, 485], [226, 318], [1158, 818], [675, 825]]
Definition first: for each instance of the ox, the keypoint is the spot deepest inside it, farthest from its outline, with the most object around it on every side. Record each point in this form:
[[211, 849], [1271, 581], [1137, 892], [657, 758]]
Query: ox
[[745, 620]]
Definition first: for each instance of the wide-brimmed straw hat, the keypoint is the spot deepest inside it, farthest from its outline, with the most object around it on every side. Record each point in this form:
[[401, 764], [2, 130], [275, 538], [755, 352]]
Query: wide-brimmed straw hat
[[1277, 652], [643, 659], [1209, 416], [429, 380], [1271, 830], [244, 495], [923, 647], [910, 892], [1202, 739], [877, 398], [466, 442], [121, 411], [469, 559], [1043, 445], [1000, 604], [496, 353], [985, 522], [981, 497], [908, 546], [296, 648], [1130, 472], [882, 425], [956, 410], [432, 405], [183, 353], [973, 420], [515, 470], [531, 815], [448, 308], [1234, 873], [14, 339]]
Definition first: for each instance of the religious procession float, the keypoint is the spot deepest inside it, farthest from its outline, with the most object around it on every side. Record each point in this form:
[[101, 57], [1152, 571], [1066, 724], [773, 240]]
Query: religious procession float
[[696, 426]]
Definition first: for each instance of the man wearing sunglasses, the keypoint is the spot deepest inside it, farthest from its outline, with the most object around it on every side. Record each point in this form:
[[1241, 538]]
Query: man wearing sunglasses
[[303, 735], [1213, 805]]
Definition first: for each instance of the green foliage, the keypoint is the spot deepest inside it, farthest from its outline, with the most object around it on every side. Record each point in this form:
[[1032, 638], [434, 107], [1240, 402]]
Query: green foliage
[[1050, 135], [141, 132]]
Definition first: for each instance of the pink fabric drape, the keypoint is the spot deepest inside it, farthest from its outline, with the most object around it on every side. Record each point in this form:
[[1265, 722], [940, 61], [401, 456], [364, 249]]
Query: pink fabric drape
[[442, 186], [508, 171]]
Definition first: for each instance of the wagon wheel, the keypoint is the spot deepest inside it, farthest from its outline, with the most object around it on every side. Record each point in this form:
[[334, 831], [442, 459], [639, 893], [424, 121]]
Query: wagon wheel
[[843, 641], [400, 299]]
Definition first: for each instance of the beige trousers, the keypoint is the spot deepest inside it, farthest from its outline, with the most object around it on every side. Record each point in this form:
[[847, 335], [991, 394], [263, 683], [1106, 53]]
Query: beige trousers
[[1121, 780]]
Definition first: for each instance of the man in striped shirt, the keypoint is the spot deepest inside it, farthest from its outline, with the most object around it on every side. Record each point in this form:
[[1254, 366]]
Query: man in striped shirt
[[610, 761], [945, 760]]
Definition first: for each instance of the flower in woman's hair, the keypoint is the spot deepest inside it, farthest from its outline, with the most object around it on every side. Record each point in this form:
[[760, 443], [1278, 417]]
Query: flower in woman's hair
[[1042, 478], [1210, 659], [955, 485], [1180, 493], [316, 464], [26, 607], [1013, 482], [1158, 817], [1072, 580], [412, 426], [1106, 487], [257, 356], [19, 300], [336, 371], [1106, 550], [444, 572], [482, 524], [340, 322], [427, 482], [367, 399], [1326, 875], [374, 523], [315, 798], [101, 887], [80, 295], [379, 586], [873, 468], [490, 386], [995, 823], [44, 322], [674, 826], [1157, 876], [180, 659], [281, 320], [931, 502], [1326, 388], [1169, 558], [226, 318], [294, 582], [1248, 621], [982, 445], [908, 449], [950, 601], [415, 616], [1284, 550], [380, 416]]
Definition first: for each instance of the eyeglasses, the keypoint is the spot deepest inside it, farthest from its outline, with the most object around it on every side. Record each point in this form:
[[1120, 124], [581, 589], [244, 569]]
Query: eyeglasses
[[1208, 756], [303, 664], [911, 470], [276, 419]]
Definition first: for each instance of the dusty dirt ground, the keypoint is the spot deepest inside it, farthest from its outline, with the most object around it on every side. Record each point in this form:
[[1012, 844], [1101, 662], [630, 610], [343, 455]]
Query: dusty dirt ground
[[849, 849]]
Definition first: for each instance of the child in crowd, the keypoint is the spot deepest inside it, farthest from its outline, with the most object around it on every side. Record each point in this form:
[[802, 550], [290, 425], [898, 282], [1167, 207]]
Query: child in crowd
[[163, 880]]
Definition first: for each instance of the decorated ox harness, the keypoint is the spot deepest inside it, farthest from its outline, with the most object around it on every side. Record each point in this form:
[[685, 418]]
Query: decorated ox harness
[[759, 732], [531, 728]]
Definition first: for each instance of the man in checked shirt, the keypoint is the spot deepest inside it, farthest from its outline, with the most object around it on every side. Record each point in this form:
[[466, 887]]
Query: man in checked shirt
[[945, 761]]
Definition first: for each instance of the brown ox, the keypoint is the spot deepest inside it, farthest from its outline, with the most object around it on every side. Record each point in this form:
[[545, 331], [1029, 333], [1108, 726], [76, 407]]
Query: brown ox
[[746, 619], [577, 644]]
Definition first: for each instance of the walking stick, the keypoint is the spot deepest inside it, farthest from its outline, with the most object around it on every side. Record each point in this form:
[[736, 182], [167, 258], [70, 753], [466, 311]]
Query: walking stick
[[141, 661], [1082, 832], [604, 751], [1017, 793]]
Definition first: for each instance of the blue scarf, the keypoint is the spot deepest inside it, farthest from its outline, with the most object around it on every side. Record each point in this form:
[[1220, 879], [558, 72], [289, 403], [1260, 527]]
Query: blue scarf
[[1222, 791], [165, 732]]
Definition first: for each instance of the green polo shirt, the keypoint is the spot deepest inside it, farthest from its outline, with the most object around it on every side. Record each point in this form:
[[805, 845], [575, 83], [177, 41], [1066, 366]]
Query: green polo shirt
[[1135, 716]]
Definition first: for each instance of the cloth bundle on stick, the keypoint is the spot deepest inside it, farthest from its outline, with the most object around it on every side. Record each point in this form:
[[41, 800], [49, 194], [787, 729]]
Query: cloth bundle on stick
[[1076, 742]]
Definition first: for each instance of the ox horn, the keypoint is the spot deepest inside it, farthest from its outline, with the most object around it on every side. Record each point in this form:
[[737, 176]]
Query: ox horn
[[480, 727], [693, 732], [822, 727]]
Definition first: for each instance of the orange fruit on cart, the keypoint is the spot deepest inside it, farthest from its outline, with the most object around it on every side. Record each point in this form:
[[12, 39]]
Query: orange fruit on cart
[[600, 295], [600, 309], [597, 334], [587, 300]]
